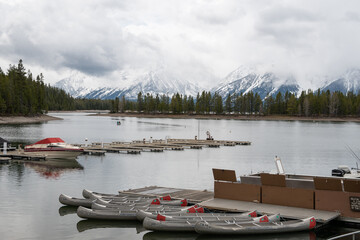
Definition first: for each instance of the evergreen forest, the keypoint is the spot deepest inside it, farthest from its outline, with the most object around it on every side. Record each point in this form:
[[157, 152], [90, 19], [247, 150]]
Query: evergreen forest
[[308, 104], [23, 94]]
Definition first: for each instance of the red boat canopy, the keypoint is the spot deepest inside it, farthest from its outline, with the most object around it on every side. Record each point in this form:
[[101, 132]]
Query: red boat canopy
[[49, 140]]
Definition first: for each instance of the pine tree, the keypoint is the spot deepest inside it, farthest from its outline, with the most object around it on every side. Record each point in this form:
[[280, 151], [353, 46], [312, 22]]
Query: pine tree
[[140, 102], [228, 104]]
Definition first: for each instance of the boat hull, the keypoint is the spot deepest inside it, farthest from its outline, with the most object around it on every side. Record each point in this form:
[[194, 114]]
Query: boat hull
[[56, 154], [249, 228], [187, 224], [105, 215], [71, 201]]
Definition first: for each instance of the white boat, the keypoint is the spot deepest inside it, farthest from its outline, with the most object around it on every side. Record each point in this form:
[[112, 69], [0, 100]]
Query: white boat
[[346, 172], [54, 148]]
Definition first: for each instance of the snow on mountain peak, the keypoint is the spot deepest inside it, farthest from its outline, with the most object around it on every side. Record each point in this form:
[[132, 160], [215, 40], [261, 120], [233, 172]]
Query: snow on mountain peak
[[348, 82], [261, 79]]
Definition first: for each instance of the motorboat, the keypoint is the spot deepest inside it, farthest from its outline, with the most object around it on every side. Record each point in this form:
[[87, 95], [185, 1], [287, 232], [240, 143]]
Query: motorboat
[[54, 148], [346, 172]]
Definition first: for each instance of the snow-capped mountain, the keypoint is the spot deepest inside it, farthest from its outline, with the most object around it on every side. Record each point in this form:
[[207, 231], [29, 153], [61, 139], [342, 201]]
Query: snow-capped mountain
[[76, 85], [104, 93], [160, 83], [349, 82], [154, 82], [246, 79]]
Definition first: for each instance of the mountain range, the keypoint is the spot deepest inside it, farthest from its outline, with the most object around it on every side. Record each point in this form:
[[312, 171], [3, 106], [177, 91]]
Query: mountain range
[[154, 82], [242, 80]]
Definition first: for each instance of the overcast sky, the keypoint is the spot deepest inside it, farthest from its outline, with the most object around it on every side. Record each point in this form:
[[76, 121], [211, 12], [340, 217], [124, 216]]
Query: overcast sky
[[201, 41]]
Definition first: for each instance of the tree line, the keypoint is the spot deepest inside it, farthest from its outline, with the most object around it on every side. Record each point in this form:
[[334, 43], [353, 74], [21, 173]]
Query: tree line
[[308, 104], [23, 94]]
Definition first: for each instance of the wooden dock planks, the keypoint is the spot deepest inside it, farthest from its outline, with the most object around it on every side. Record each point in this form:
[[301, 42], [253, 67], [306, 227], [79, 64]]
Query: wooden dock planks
[[206, 199], [194, 196], [158, 145], [287, 212], [21, 155]]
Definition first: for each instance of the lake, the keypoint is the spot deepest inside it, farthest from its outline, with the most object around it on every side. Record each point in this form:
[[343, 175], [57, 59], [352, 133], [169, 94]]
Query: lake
[[29, 193]]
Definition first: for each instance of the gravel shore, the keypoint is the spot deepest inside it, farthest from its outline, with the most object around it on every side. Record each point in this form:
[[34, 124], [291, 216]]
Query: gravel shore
[[24, 120], [234, 117]]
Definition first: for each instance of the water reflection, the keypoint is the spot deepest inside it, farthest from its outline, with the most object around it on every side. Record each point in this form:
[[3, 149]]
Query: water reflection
[[30, 206], [335, 229], [195, 236], [284, 236], [170, 236], [84, 225], [66, 210], [162, 124], [53, 169], [16, 171]]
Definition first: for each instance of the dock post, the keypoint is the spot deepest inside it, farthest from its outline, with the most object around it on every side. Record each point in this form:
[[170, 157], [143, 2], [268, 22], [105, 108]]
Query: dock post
[[5, 148]]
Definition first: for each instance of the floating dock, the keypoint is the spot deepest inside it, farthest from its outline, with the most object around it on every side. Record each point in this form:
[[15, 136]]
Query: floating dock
[[21, 155], [293, 197], [4, 160], [206, 199], [284, 211], [193, 196], [156, 145], [94, 152]]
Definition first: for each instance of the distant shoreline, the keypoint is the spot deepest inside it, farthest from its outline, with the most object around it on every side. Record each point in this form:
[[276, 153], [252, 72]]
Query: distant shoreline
[[26, 120], [233, 117]]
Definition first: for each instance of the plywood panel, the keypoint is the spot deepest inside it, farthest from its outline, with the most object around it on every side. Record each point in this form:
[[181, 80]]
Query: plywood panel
[[237, 191], [224, 175], [273, 179], [336, 201], [292, 197], [331, 184], [251, 180], [351, 185]]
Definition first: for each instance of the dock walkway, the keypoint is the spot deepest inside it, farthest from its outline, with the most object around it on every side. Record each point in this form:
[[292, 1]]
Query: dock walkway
[[158, 145], [193, 196], [21, 155], [284, 211], [206, 199]]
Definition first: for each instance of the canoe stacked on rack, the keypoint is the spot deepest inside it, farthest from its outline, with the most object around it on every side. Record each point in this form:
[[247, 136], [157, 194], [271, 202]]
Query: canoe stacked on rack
[[167, 214]]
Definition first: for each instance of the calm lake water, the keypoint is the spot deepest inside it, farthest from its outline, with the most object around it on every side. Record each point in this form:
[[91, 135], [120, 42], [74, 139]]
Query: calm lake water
[[30, 208]]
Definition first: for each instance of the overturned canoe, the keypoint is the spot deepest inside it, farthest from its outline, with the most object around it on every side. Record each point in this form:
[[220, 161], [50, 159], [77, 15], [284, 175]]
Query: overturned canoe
[[188, 225], [71, 201], [259, 228]]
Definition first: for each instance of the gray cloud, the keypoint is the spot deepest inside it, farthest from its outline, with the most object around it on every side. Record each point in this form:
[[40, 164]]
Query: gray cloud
[[197, 40]]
